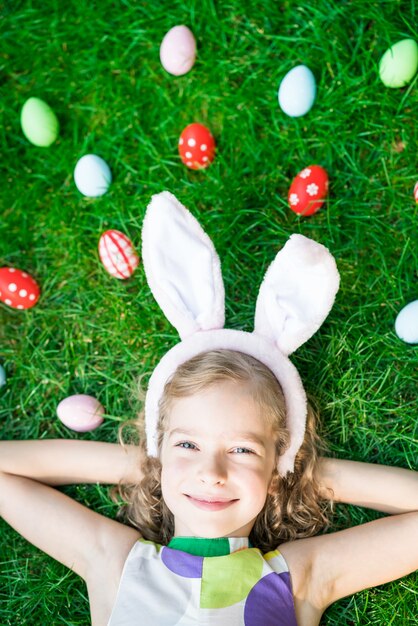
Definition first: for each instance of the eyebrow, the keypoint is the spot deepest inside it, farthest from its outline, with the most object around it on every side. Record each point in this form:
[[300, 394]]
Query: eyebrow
[[246, 436]]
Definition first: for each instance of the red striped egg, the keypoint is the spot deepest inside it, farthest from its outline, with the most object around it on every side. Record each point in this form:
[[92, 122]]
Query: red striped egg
[[308, 190], [18, 289], [416, 192], [117, 254]]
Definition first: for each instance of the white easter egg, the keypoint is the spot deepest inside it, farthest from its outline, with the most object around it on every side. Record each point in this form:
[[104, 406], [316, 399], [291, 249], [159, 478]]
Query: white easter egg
[[406, 323], [92, 175], [80, 412], [178, 50], [297, 91]]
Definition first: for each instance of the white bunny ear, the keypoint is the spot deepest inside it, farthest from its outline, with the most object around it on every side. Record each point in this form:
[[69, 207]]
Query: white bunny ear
[[182, 267], [296, 294]]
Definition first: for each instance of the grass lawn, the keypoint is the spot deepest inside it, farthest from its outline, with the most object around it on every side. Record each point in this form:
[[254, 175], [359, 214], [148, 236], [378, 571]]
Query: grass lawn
[[97, 65]]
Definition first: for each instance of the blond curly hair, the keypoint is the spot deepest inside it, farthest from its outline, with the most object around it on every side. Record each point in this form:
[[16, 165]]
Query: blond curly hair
[[294, 506]]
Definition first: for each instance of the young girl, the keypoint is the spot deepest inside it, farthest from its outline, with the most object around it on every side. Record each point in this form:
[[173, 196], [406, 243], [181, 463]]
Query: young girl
[[221, 429], [226, 490]]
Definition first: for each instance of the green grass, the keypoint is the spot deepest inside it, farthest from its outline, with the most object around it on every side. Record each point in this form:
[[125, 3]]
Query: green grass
[[97, 65]]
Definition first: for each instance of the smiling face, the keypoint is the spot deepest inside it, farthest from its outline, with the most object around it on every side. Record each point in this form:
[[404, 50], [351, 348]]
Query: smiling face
[[217, 457]]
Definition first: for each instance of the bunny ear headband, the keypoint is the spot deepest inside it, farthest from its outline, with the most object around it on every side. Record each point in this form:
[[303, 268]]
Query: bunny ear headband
[[184, 273]]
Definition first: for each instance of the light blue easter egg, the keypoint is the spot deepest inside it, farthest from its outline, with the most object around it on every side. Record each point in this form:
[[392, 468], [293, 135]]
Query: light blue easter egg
[[406, 323], [2, 376], [297, 91], [92, 175]]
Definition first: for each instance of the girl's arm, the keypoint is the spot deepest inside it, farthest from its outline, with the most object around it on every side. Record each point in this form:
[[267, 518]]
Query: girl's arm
[[328, 567], [66, 530], [380, 487], [68, 461]]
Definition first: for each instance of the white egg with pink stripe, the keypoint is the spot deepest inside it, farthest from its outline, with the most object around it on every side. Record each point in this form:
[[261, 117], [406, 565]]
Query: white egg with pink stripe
[[117, 254]]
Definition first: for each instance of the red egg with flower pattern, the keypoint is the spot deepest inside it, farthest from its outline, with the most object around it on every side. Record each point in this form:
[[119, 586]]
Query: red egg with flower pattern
[[308, 190]]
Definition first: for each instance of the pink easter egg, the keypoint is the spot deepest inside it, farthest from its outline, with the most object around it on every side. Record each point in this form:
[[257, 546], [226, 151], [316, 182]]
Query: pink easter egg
[[80, 412], [178, 50]]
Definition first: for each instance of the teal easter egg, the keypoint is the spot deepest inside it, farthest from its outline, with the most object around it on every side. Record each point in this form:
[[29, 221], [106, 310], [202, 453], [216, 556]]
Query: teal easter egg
[[2, 376], [39, 122], [399, 64]]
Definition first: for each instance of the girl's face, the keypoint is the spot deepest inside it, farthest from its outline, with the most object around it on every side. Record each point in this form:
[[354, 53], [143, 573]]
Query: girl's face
[[217, 457]]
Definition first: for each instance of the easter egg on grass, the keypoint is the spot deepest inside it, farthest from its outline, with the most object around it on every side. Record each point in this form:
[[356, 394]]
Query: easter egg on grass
[[92, 176], [406, 323], [297, 91], [18, 289], [80, 412], [399, 64], [196, 146], [117, 254], [39, 122], [308, 190], [416, 192], [178, 50], [2, 376]]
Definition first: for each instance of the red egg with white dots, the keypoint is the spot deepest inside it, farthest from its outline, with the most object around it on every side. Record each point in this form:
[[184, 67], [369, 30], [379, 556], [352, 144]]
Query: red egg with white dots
[[416, 192], [308, 190], [18, 289], [117, 254], [196, 146]]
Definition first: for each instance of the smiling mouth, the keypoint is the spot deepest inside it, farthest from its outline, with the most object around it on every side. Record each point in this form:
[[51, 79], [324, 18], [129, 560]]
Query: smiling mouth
[[214, 503]]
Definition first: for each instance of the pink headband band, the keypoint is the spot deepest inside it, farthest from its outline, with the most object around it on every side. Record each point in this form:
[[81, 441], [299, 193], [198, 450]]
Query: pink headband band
[[184, 273]]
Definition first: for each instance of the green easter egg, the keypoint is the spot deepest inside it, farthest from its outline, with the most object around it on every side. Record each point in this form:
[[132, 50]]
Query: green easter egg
[[39, 122], [399, 64]]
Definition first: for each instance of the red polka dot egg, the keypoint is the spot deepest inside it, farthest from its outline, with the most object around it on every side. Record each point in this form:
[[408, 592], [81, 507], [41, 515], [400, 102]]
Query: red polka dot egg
[[196, 146], [308, 190], [17, 289], [117, 254]]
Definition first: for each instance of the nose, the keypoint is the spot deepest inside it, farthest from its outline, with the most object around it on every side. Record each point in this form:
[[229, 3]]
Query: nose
[[212, 470]]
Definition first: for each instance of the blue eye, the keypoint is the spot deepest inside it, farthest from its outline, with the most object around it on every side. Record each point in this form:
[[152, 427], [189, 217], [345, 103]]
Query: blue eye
[[245, 450], [186, 445]]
